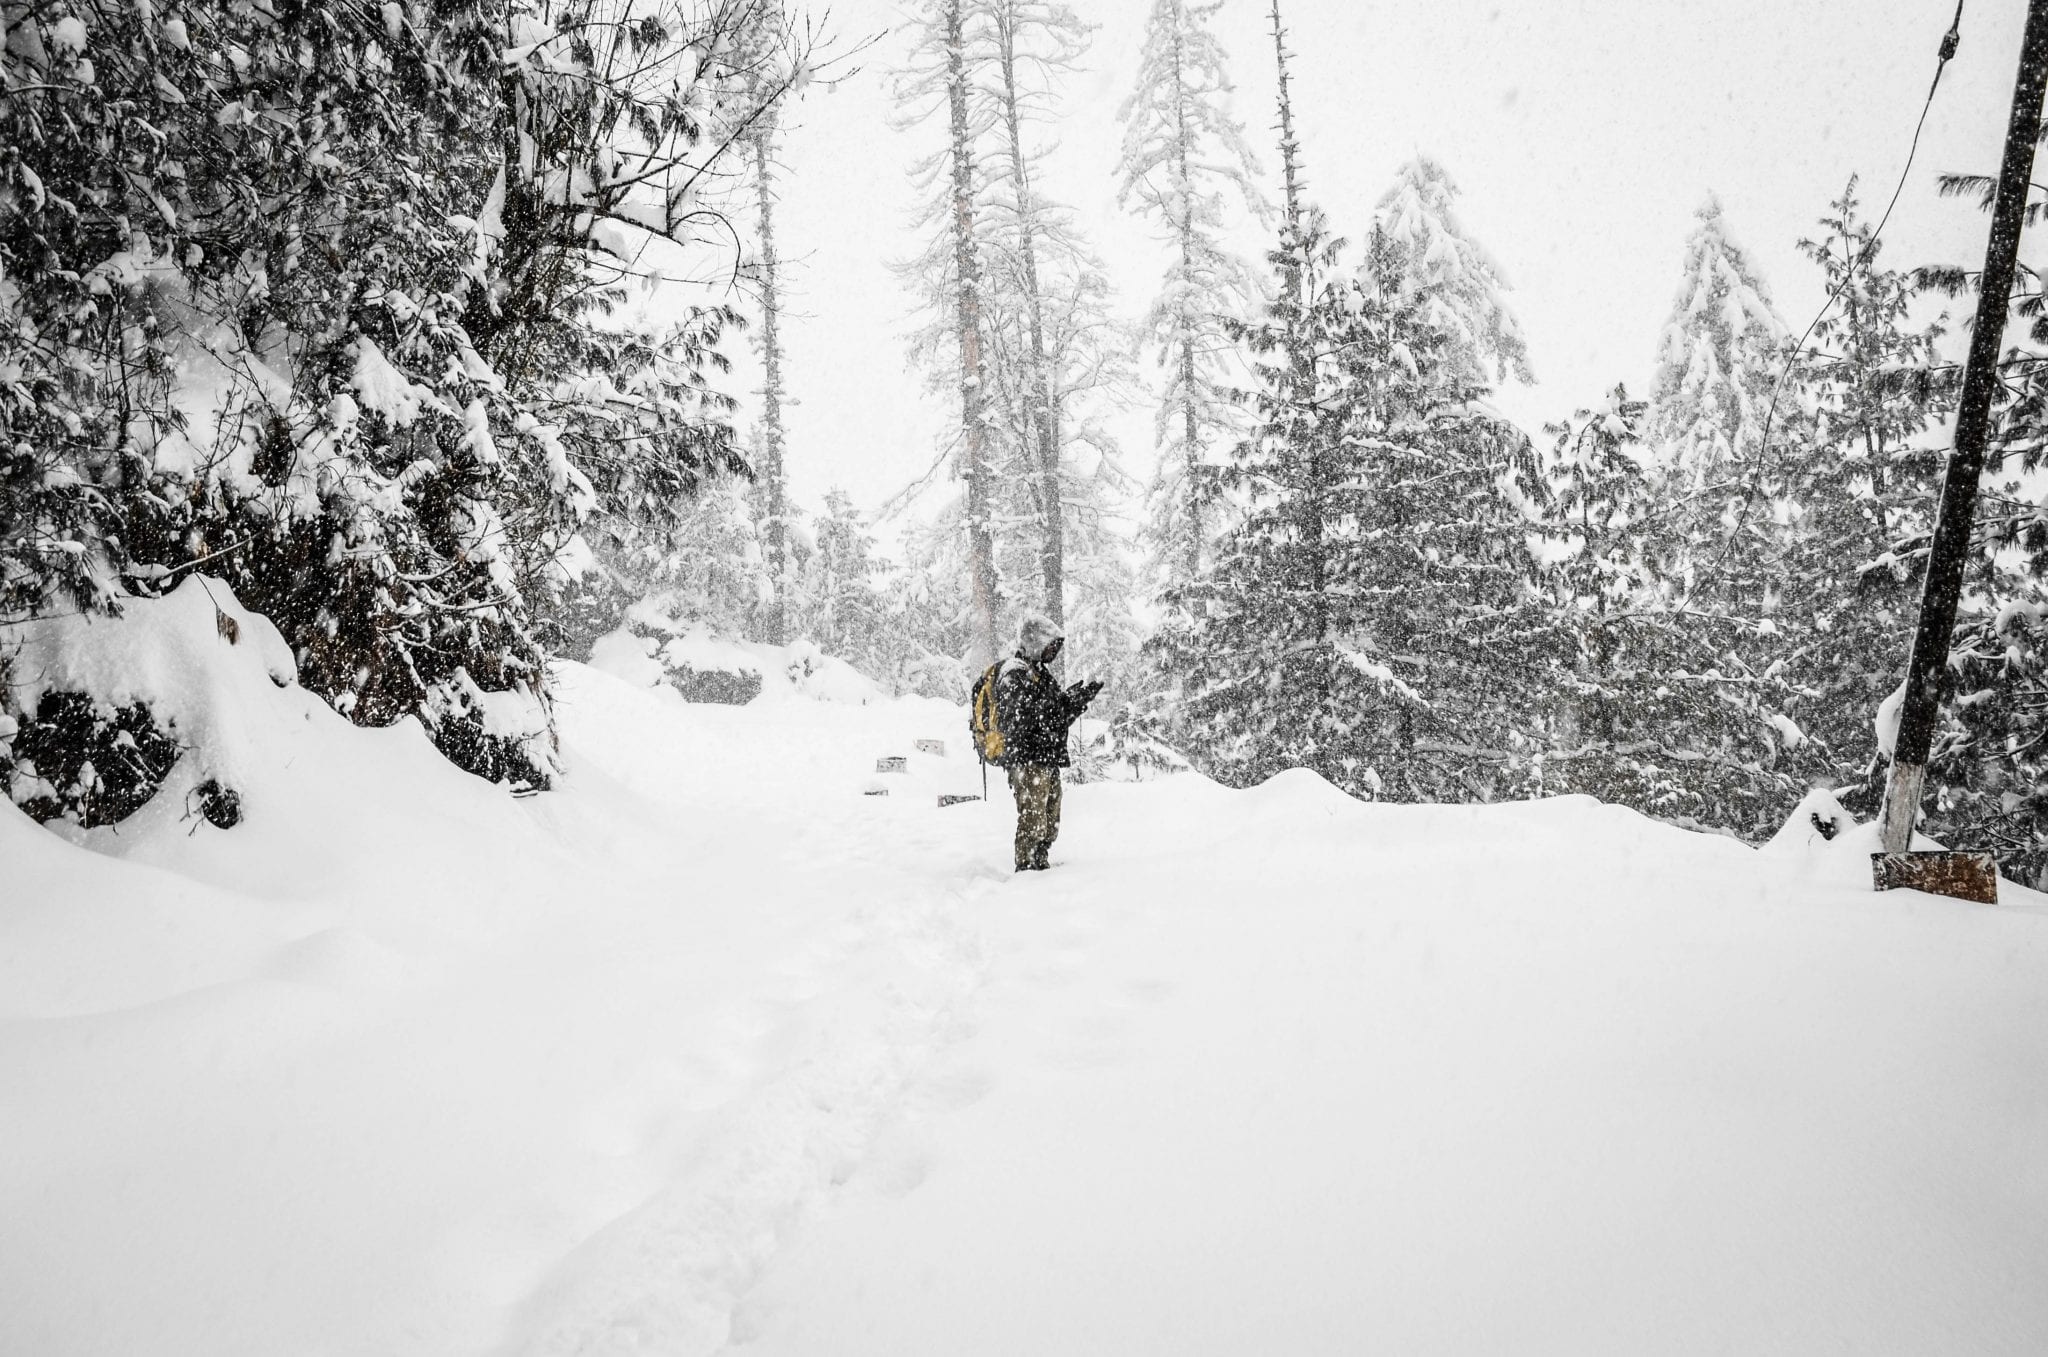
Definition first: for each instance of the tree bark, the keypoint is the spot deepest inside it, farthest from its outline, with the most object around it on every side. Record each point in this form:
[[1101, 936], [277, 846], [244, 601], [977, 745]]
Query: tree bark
[[1043, 421], [1194, 505], [981, 555], [772, 472]]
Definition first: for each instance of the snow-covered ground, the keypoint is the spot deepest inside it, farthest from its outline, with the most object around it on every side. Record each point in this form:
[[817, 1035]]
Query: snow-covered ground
[[710, 1050]]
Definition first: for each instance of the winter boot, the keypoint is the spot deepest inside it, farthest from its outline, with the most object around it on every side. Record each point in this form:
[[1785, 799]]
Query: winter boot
[[1039, 861]]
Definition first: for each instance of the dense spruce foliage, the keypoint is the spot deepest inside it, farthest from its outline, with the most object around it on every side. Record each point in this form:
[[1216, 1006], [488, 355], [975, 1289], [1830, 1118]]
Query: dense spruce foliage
[[333, 302]]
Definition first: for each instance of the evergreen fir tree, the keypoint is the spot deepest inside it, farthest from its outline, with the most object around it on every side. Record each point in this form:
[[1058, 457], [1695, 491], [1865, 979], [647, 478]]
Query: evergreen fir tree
[[1185, 165], [347, 325], [1718, 366], [1688, 684], [1050, 360], [769, 467], [950, 49], [1866, 486], [843, 608], [1623, 722], [1372, 616], [1435, 259]]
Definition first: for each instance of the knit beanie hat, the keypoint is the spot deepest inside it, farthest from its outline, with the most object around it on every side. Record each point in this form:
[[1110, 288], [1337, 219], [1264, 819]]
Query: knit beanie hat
[[1035, 635]]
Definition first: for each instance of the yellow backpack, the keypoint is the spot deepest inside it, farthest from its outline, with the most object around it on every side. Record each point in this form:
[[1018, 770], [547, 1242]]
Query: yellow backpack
[[984, 721]]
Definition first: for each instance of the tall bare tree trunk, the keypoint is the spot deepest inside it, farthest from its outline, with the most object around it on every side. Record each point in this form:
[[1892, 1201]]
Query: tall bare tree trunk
[[1290, 169], [1043, 417], [981, 554], [1298, 296], [773, 475]]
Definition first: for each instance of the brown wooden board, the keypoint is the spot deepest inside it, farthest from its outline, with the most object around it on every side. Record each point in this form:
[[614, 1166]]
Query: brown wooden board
[[1962, 876]]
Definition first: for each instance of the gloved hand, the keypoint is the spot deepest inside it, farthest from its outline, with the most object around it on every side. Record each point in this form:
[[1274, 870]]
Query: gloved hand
[[1081, 694]]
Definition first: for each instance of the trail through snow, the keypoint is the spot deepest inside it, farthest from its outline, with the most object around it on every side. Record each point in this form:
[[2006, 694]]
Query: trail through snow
[[712, 1052]]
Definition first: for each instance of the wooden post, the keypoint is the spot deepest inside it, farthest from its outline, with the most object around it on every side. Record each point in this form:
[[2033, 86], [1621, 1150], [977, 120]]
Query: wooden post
[[1950, 549]]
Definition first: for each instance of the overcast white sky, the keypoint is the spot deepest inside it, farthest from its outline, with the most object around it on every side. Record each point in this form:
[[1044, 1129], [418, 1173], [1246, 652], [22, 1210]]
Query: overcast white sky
[[1583, 134]]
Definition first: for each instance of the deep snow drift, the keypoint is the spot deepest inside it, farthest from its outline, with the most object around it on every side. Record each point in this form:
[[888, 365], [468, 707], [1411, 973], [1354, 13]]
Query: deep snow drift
[[711, 1049]]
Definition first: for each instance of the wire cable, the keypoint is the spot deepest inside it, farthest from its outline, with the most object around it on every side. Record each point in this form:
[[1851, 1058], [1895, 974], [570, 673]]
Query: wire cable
[[1949, 42]]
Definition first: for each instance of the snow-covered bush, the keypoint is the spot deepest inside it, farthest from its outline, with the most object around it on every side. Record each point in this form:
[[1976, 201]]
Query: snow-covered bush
[[100, 713], [334, 301]]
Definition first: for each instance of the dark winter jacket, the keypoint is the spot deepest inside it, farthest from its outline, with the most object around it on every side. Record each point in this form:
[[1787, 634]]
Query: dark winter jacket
[[1034, 714]]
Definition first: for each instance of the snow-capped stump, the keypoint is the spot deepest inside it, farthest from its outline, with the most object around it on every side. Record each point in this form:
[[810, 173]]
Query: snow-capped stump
[[222, 806], [949, 799], [1817, 819], [933, 747], [893, 763], [1822, 839]]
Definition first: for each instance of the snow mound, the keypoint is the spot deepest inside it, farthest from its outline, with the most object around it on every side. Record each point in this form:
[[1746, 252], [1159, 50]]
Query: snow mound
[[650, 649], [1814, 826], [1300, 792], [196, 659]]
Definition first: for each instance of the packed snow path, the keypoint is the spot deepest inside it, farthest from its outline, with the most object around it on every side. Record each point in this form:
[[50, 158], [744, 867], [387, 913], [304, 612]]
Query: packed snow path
[[710, 1051]]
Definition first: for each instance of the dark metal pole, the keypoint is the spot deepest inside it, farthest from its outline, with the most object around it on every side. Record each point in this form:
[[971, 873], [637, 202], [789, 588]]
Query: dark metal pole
[[1950, 549]]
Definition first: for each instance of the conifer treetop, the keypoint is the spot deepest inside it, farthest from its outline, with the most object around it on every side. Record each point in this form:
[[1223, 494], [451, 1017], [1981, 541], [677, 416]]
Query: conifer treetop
[[1458, 283], [1717, 356]]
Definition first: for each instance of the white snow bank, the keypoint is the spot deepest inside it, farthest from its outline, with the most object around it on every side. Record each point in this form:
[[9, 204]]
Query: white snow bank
[[358, 1075], [196, 658], [1271, 1072], [708, 1048]]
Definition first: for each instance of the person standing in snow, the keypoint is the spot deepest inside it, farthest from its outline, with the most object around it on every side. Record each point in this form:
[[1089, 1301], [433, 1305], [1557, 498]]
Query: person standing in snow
[[1035, 714]]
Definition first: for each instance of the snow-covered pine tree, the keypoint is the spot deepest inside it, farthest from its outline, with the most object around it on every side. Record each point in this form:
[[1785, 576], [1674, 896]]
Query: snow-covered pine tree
[[1034, 44], [1461, 286], [931, 620], [765, 70], [1866, 485], [241, 321], [1618, 725], [1450, 591], [1050, 360], [949, 47], [843, 609], [1186, 168], [1058, 360], [1988, 772], [345, 323], [1718, 365], [717, 575], [1372, 614], [1599, 502], [1700, 690]]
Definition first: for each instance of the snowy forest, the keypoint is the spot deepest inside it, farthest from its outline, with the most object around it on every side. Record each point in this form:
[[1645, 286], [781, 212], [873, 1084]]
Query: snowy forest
[[540, 541], [412, 326]]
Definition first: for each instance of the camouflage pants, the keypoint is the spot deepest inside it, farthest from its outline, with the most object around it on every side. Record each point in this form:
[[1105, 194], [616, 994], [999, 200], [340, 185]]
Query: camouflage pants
[[1037, 789]]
